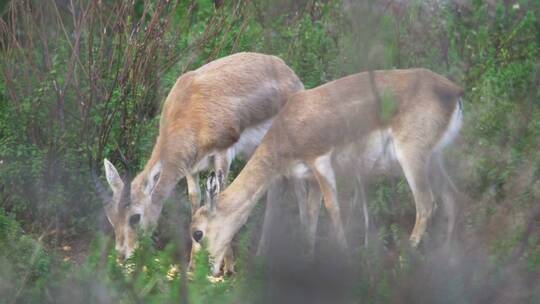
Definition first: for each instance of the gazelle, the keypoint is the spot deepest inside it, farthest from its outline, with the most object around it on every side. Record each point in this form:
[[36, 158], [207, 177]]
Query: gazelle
[[341, 117], [211, 114]]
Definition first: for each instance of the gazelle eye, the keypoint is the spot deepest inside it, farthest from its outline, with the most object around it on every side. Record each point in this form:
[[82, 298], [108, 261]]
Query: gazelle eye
[[134, 220], [197, 235]]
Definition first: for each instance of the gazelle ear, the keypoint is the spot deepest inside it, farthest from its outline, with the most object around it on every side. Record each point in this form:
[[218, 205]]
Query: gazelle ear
[[113, 178], [153, 178], [212, 190]]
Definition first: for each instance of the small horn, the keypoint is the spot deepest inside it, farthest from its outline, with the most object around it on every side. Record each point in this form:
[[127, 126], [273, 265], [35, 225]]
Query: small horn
[[125, 198], [127, 165], [104, 195]]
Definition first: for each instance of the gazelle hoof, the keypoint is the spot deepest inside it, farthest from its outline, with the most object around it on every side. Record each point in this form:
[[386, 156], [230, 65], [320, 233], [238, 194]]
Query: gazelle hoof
[[414, 241]]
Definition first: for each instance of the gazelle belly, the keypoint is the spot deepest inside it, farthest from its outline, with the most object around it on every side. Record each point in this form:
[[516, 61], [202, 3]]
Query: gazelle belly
[[249, 140], [375, 154]]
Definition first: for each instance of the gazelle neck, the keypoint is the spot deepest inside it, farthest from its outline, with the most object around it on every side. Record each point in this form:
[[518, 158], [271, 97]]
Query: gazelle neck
[[167, 181], [177, 153], [170, 175]]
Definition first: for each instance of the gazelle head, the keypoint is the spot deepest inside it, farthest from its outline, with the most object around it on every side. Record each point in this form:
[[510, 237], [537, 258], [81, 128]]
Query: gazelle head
[[206, 228], [130, 209]]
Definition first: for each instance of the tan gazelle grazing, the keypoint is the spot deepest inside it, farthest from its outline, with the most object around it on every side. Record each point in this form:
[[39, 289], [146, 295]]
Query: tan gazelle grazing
[[211, 114], [342, 116]]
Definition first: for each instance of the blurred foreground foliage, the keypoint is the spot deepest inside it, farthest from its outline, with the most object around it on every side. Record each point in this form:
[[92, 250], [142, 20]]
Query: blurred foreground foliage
[[83, 80]]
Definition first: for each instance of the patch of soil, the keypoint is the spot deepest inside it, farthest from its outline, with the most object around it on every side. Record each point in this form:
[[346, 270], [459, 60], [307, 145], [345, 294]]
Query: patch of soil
[[73, 248]]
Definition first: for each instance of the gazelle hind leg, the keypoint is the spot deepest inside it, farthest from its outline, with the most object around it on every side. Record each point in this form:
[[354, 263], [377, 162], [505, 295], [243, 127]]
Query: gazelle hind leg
[[324, 174], [308, 196], [448, 193], [415, 167], [272, 211]]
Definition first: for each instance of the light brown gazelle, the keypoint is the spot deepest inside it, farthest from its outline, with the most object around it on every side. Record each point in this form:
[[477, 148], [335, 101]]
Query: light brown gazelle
[[211, 114], [342, 116]]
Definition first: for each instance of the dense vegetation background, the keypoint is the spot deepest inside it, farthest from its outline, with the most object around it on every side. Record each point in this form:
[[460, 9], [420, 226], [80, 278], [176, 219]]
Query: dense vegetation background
[[83, 80]]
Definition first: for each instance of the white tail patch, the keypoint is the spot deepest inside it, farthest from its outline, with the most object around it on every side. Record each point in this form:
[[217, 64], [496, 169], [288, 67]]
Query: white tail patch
[[456, 121]]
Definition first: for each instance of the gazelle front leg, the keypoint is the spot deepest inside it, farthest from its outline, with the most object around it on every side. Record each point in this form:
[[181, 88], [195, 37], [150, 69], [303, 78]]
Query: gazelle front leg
[[312, 214], [272, 211], [360, 190], [301, 195], [324, 174], [194, 191], [308, 196], [228, 262], [222, 164]]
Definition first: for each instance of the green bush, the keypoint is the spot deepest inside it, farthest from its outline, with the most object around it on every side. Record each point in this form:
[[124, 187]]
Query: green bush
[[24, 264]]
